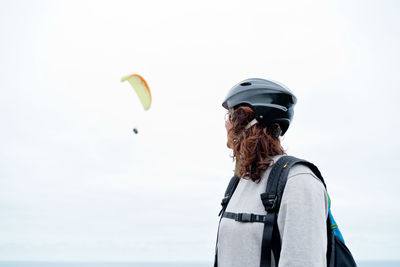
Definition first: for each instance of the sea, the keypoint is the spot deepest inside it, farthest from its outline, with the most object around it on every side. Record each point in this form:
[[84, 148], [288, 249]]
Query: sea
[[154, 264]]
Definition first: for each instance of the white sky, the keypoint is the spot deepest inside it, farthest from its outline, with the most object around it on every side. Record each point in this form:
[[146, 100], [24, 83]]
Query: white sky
[[77, 184]]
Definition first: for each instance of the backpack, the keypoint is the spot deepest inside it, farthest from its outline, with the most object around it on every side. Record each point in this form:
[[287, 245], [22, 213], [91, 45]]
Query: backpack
[[338, 255]]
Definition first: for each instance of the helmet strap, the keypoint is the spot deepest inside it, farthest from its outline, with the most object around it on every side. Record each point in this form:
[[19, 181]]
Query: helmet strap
[[254, 121]]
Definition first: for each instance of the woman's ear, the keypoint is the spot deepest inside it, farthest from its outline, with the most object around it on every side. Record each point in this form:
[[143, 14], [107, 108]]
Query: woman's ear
[[275, 130]]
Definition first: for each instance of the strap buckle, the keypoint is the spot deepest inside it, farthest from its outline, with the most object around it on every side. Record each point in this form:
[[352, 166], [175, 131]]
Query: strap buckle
[[269, 201], [225, 201]]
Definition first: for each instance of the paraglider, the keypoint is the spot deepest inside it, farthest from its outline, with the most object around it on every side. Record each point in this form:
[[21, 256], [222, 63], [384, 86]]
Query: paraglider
[[142, 90]]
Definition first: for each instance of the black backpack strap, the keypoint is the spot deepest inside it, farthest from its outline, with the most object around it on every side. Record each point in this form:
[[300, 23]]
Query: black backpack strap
[[224, 203], [228, 193], [271, 199], [271, 204]]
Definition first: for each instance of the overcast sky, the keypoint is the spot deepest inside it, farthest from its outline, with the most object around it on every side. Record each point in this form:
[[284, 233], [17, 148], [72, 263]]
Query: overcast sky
[[77, 184]]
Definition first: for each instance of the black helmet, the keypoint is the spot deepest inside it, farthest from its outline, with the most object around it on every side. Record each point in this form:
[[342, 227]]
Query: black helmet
[[270, 101]]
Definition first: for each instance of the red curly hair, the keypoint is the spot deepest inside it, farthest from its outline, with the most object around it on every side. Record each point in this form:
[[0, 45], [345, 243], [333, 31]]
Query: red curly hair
[[252, 147]]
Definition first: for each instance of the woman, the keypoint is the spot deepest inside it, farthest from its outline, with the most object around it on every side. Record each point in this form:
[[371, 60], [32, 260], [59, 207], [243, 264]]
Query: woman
[[259, 112]]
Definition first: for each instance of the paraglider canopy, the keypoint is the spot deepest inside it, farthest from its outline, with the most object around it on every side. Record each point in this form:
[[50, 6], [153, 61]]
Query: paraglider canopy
[[141, 88]]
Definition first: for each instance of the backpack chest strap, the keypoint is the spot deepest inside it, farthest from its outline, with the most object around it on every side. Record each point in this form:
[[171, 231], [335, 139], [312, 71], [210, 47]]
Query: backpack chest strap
[[245, 217]]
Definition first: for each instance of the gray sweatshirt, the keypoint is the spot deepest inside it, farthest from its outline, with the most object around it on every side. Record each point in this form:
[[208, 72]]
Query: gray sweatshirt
[[301, 222]]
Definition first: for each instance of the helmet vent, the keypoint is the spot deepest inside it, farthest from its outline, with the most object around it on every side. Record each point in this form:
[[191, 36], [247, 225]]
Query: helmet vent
[[245, 84]]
